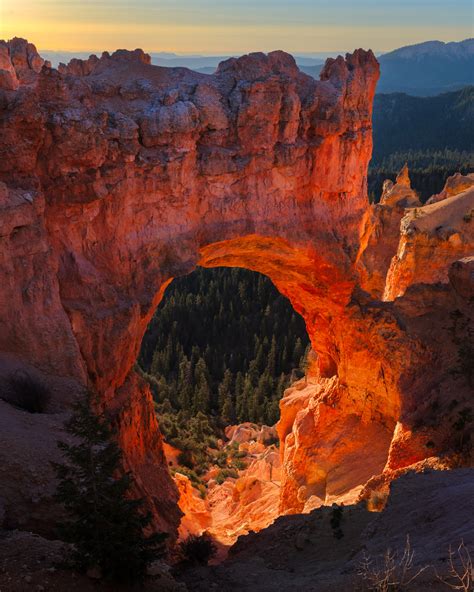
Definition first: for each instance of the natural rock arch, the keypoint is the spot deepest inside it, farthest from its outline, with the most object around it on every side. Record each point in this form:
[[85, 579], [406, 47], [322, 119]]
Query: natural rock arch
[[118, 176]]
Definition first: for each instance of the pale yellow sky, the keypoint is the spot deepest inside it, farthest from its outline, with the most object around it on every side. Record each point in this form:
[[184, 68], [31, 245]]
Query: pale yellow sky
[[219, 26]]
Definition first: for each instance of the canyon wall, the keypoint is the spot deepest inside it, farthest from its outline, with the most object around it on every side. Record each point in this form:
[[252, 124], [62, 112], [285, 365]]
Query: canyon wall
[[117, 176]]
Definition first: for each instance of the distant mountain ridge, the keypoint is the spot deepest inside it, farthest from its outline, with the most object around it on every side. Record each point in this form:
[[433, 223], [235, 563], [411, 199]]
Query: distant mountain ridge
[[454, 49], [428, 68], [199, 63]]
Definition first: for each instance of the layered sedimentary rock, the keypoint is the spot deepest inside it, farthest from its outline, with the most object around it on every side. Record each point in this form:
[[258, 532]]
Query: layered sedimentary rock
[[432, 238], [455, 184], [417, 328], [196, 514], [116, 176]]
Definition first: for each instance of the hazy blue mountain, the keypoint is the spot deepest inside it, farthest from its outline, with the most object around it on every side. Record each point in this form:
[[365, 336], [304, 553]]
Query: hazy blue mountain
[[427, 68], [185, 61], [208, 64], [200, 63], [55, 57], [312, 70]]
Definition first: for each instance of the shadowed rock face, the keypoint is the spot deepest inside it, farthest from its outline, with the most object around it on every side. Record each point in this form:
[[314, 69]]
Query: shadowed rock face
[[117, 176]]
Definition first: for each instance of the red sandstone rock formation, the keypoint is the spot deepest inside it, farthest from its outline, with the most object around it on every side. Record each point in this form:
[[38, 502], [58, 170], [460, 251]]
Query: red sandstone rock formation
[[116, 176], [431, 238], [430, 321], [455, 184], [400, 193], [196, 515]]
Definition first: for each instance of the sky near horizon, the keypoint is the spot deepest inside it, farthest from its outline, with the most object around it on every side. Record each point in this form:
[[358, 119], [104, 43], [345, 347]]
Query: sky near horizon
[[234, 26]]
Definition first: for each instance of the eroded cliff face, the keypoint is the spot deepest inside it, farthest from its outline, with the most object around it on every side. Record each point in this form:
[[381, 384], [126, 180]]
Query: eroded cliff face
[[412, 330], [116, 176]]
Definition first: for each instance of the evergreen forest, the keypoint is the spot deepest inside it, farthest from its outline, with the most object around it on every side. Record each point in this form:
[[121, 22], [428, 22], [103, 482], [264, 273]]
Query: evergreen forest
[[221, 348], [434, 135]]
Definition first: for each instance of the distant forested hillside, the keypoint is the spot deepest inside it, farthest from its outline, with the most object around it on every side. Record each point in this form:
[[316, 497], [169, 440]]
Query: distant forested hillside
[[403, 123], [434, 135]]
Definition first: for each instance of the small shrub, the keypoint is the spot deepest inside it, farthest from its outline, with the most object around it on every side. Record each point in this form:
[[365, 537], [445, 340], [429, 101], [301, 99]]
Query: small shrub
[[239, 464], [224, 474], [212, 443], [221, 459], [186, 459], [377, 500], [202, 490], [469, 216], [198, 549], [239, 454], [28, 393]]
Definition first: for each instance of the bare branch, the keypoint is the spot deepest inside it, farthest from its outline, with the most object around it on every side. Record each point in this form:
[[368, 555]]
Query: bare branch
[[461, 570]]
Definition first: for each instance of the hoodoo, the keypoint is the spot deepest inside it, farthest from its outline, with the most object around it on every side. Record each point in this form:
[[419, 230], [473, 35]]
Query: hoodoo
[[117, 176]]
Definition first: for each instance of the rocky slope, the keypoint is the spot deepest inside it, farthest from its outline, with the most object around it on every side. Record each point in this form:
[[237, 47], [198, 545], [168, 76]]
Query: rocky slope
[[310, 553], [116, 176], [234, 505]]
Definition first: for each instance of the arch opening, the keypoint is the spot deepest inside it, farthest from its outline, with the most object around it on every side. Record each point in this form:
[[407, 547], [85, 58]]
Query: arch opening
[[330, 437], [218, 354]]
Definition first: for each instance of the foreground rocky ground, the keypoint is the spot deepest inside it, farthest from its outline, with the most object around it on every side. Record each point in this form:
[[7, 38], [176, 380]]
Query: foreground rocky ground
[[303, 552], [29, 562], [315, 552]]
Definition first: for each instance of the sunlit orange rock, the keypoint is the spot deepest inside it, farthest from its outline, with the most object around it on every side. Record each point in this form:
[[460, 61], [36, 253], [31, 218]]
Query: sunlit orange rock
[[247, 432], [399, 193], [117, 176], [248, 502], [455, 184], [196, 516], [431, 239], [381, 232], [351, 446]]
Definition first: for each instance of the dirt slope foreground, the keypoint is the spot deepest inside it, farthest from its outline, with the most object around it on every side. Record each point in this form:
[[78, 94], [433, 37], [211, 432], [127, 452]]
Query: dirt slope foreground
[[116, 176], [302, 554]]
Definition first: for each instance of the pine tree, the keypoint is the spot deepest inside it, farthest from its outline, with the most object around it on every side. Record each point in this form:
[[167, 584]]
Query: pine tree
[[271, 358], [225, 390], [202, 395], [104, 525], [263, 336], [185, 384], [228, 411], [298, 352]]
